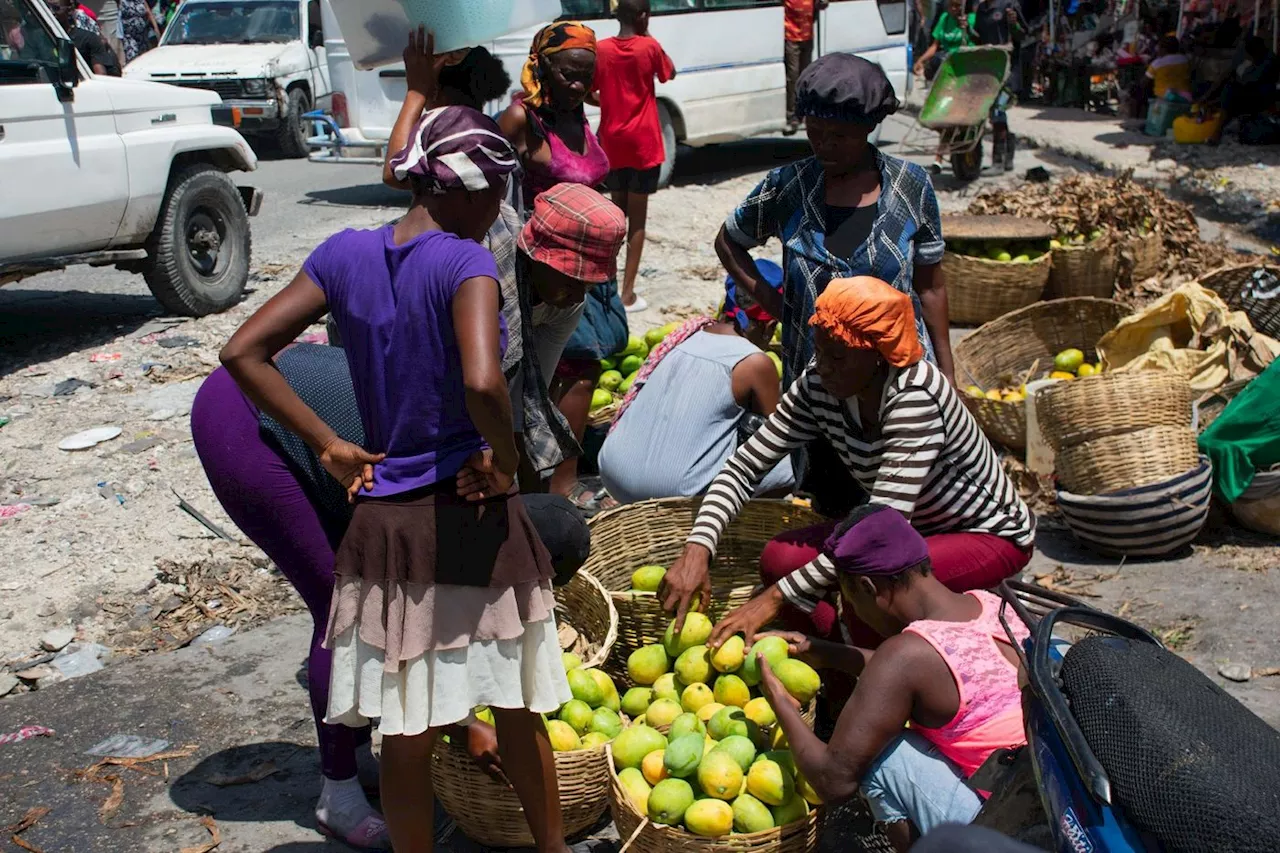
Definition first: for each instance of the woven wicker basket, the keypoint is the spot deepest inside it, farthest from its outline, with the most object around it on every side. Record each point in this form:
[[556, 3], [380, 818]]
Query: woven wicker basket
[[1010, 346], [979, 290], [1148, 254], [490, 814], [641, 835], [1237, 286], [654, 532], [1088, 270], [1127, 461], [1070, 413], [587, 619]]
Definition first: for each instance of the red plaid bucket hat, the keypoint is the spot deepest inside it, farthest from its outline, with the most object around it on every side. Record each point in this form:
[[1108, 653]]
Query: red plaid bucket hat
[[576, 231]]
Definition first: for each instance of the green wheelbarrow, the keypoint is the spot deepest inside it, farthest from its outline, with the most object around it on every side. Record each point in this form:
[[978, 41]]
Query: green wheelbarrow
[[968, 84]]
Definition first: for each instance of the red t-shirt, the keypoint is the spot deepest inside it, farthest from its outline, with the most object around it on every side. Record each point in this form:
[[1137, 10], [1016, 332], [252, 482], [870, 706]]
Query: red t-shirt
[[630, 132], [797, 20]]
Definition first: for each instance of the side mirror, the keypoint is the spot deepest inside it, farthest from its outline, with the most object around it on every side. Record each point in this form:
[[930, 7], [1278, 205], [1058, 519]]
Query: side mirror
[[68, 74], [316, 38]]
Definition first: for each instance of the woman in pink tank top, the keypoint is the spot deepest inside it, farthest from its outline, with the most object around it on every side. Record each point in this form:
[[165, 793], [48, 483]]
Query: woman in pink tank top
[[546, 122], [932, 702]]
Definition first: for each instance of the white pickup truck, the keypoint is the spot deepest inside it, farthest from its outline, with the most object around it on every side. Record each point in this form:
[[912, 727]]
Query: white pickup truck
[[264, 58], [111, 172]]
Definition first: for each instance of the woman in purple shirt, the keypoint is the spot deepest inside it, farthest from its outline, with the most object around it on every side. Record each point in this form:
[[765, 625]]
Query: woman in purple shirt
[[443, 597]]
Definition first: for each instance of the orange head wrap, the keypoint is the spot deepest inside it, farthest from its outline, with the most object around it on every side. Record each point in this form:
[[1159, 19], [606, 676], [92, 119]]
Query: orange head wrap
[[866, 313], [553, 38]]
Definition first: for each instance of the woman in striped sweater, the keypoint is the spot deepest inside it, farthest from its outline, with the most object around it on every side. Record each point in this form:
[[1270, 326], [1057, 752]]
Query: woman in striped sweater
[[905, 436]]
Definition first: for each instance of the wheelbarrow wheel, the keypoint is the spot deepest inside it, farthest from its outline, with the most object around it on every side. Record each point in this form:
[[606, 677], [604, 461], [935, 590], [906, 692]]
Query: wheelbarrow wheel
[[967, 165]]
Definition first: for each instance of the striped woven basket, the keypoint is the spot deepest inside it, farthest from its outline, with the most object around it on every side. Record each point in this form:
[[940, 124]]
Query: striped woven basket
[[1148, 521]]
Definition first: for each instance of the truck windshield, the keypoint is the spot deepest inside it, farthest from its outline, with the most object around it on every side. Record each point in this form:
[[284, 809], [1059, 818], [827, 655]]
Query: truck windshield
[[249, 22]]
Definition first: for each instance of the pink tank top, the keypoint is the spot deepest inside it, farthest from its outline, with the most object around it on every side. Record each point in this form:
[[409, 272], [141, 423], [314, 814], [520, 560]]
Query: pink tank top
[[990, 712], [567, 166]]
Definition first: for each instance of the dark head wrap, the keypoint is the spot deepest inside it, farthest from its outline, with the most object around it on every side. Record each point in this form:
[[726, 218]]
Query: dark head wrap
[[844, 87], [456, 148], [880, 544]]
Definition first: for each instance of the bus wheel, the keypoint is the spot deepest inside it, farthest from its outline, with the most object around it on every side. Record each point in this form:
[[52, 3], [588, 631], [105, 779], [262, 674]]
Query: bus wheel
[[669, 143]]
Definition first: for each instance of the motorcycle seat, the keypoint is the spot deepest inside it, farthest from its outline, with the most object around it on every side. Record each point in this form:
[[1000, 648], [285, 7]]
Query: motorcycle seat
[[1190, 765]]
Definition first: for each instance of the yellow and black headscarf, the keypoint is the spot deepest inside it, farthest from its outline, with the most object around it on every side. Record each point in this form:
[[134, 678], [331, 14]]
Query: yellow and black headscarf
[[553, 38]]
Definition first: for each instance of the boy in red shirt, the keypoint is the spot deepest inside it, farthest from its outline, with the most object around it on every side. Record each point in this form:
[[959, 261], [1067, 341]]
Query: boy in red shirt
[[630, 132]]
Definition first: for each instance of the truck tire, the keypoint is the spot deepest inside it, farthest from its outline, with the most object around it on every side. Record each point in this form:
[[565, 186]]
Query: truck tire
[[670, 145], [294, 129], [199, 251]]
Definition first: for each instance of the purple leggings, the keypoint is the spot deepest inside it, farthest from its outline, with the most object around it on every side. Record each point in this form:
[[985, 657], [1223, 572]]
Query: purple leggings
[[258, 489]]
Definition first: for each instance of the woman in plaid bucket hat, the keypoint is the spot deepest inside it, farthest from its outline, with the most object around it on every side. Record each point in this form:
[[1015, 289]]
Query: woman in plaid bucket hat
[[443, 594]]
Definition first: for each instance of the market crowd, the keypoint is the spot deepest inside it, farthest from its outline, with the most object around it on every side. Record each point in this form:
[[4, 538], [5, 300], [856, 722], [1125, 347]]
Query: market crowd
[[417, 481]]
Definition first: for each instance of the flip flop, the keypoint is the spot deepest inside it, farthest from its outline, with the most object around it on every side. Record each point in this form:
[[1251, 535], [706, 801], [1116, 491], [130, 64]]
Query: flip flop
[[637, 306], [368, 834]]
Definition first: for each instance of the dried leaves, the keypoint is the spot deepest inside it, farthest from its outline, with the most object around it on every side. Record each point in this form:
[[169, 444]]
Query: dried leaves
[[215, 838], [28, 820], [1082, 203], [105, 772]]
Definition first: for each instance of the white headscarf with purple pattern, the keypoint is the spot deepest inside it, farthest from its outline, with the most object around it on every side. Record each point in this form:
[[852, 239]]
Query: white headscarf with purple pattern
[[456, 148]]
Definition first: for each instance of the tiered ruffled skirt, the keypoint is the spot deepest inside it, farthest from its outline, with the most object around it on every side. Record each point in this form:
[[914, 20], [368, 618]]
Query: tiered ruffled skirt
[[441, 606]]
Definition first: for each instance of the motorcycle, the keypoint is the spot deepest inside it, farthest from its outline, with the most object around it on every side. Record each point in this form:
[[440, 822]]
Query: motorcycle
[[1129, 747]]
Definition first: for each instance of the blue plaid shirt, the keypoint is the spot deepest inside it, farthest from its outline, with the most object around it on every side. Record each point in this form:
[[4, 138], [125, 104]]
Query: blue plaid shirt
[[790, 204]]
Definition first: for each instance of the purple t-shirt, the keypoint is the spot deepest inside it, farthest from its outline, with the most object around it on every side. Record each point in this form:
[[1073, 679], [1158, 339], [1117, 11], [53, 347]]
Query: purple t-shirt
[[393, 306]]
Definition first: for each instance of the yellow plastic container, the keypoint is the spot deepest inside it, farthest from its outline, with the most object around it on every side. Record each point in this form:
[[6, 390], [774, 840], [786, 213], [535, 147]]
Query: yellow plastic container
[[1190, 130]]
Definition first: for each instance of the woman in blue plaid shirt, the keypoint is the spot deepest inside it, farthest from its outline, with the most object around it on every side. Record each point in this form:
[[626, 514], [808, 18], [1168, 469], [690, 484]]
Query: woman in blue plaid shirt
[[848, 210]]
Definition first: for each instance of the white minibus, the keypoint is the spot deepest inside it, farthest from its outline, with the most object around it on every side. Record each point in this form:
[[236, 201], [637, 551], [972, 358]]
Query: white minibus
[[730, 82]]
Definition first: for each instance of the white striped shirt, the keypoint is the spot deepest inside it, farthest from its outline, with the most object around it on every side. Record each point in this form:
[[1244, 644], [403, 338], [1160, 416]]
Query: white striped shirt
[[928, 460]]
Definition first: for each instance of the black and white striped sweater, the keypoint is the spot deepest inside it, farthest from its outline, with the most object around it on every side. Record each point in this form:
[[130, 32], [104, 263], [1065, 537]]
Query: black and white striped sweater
[[927, 459]]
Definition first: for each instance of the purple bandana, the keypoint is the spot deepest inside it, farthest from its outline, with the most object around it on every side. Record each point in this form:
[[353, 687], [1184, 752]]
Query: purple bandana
[[882, 543], [456, 148]]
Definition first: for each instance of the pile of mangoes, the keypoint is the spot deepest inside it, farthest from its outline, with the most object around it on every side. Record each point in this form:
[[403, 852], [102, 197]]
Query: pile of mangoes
[[1067, 365]]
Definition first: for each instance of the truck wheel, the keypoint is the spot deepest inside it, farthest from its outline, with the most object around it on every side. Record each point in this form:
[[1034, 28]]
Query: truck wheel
[[199, 250], [670, 145], [294, 129]]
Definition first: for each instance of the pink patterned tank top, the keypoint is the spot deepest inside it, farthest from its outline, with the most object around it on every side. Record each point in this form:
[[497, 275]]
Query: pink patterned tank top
[[990, 712], [567, 166]]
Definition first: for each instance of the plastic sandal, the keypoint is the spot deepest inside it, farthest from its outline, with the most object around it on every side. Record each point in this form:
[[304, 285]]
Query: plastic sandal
[[369, 834]]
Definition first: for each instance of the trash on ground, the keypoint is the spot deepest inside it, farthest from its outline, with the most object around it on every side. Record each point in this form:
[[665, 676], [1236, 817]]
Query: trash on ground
[[127, 746], [256, 773], [1236, 671], [198, 516], [30, 819], [114, 800], [99, 357], [11, 510], [57, 639], [89, 438], [24, 733], [213, 636], [84, 660], [136, 447], [176, 341], [3, 421], [67, 387]]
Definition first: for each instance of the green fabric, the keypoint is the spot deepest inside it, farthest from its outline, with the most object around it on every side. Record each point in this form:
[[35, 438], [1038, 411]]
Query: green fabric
[[948, 34], [1245, 438]]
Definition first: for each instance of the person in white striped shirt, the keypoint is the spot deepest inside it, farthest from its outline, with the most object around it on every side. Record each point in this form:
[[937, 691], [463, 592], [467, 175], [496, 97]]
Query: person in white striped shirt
[[905, 436]]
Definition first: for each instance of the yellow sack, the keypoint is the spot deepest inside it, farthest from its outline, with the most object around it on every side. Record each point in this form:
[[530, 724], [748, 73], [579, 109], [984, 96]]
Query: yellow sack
[[1193, 332]]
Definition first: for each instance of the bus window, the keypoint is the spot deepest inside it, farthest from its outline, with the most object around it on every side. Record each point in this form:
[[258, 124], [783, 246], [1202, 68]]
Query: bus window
[[893, 13], [739, 4], [584, 9], [659, 6]]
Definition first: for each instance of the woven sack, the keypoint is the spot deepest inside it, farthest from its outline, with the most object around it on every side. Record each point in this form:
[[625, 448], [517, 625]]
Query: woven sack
[[980, 290], [1258, 509], [1147, 521], [1009, 346], [653, 533]]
